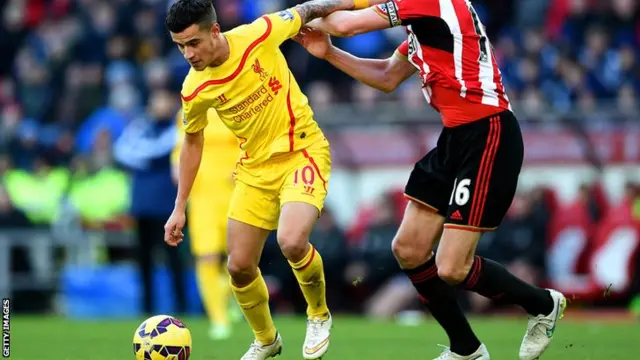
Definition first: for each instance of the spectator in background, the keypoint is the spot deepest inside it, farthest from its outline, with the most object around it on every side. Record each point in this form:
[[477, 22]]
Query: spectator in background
[[12, 32], [60, 145], [10, 217], [601, 62], [622, 21], [330, 241], [531, 13], [38, 193], [145, 148], [14, 219], [99, 191], [10, 117], [372, 263], [123, 107], [575, 19], [23, 141], [34, 88], [81, 94], [627, 102], [5, 164], [495, 14]]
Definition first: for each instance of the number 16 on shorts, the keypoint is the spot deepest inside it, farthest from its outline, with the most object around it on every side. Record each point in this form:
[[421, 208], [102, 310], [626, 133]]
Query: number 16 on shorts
[[460, 192], [460, 196]]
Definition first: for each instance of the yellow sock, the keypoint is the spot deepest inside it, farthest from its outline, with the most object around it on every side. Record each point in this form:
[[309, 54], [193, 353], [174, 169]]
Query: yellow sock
[[310, 274], [254, 303], [214, 290]]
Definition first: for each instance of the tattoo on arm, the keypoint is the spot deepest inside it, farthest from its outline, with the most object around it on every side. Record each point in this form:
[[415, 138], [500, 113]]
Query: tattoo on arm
[[320, 8]]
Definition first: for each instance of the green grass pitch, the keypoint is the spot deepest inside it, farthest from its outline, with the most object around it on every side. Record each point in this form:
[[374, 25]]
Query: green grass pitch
[[42, 338]]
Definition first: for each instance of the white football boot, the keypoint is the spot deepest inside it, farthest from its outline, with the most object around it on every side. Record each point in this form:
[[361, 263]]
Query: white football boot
[[541, 328], [259, 351], [481, 354], [316, 342]]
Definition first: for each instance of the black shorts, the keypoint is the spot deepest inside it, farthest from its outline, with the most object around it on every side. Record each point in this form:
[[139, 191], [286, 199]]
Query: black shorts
[[471, 176]]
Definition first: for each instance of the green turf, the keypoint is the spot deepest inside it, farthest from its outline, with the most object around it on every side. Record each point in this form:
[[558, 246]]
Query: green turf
[[35, 338]]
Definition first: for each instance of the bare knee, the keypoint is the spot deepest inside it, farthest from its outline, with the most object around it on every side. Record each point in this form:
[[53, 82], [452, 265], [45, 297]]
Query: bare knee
[[456, 255], [452, 273], [293, 244], [418, 233], [409, 253], [294, 227], [242, 270], [245, 243]]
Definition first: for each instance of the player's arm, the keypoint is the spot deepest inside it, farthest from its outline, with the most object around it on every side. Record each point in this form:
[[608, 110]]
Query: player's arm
[[383, 75], [175, 154], [320, 8], [286, 24], [351, 23], [190, 158], [195, 120]]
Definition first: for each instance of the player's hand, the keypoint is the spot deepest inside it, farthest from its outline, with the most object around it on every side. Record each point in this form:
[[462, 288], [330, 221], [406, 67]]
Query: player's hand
[[316, 42], [173, 228]]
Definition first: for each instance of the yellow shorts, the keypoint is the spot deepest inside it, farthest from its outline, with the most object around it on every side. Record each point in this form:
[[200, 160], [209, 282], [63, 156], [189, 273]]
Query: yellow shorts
[[299, 176], [207, 224]]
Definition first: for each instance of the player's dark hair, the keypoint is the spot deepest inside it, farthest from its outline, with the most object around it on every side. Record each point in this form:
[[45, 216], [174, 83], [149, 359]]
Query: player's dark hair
[[185, 13]]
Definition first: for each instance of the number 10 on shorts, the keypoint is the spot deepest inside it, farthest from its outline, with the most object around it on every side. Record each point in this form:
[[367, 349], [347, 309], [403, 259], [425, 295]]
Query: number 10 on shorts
[[460, 192], [308, 178]]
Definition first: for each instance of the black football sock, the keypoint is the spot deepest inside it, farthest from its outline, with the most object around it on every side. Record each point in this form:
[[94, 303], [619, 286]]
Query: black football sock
[[440, 298], [490, 279]]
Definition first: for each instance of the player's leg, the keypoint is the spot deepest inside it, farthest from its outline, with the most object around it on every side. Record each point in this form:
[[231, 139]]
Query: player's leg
[[413, 245], [302, 198], [230, 309], [252, 215], [483, 193], [208, 242], [458, 265], [296, 222]]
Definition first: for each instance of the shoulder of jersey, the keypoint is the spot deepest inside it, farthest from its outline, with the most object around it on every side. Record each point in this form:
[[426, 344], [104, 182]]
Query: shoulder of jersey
[[191, 82], [257, 27]]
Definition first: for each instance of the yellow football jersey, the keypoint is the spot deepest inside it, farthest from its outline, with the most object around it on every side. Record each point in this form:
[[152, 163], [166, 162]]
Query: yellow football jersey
[[254, 92], [219, 158]]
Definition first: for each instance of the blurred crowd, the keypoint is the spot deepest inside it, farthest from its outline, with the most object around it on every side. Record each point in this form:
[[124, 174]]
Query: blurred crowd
[[76, 71], [84, 82]]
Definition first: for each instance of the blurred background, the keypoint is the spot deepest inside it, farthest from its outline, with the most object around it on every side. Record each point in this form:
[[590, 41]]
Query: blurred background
[[77, 75]]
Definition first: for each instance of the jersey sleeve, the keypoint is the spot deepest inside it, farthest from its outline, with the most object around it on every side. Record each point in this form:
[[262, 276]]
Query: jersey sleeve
[[175, 154], [403, 49], [194, 114], [399, 11], [280, 26]]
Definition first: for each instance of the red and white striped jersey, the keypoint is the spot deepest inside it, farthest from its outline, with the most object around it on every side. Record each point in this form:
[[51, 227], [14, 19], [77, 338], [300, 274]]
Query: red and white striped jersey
[[448, 44]]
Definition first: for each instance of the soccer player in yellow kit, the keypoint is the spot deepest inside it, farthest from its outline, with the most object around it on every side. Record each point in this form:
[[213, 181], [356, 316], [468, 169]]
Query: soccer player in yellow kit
[[284, 167], [207, 211]]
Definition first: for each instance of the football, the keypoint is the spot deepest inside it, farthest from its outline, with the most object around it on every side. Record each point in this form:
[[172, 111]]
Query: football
[[162, 337]]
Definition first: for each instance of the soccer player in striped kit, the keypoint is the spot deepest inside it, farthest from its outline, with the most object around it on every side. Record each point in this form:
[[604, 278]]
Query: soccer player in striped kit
[[464, 186]]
